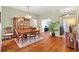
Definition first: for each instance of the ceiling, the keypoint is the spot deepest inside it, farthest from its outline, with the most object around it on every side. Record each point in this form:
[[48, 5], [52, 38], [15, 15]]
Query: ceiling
[[39, 9]]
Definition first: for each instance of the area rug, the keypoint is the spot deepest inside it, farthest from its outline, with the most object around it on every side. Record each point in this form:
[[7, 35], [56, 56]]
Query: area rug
[[27, 42]]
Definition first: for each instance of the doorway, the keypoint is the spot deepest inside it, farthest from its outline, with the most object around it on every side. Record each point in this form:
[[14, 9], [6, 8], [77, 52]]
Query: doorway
[[44, 23]]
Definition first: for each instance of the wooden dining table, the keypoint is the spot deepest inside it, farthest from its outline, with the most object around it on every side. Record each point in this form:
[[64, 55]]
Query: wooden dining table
[[22, 31], [25, 32]]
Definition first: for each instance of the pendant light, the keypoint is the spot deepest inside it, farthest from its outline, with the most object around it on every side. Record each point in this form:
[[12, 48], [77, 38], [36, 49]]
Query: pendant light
[[28, 15]]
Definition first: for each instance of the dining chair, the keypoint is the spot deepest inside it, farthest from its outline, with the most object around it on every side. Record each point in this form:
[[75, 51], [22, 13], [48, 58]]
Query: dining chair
[[31, 36], [8, 33], [19, 36], [69, 43]]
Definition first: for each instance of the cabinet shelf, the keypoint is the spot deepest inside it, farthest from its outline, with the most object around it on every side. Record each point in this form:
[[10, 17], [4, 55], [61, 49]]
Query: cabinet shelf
[[21, 22]]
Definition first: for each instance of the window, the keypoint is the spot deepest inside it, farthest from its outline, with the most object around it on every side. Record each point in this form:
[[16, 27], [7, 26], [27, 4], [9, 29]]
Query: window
[[33, 23]]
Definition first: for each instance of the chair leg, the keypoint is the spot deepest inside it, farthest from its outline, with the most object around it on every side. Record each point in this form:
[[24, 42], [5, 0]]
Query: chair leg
[[34, 37], [30, 39], [22, 40], [17, 40]]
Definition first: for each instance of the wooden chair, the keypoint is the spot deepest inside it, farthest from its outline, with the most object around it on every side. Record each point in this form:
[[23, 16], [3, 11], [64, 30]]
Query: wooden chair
[[75, 43], [19, 36], [36, 31], [8, 33], [31, 36]]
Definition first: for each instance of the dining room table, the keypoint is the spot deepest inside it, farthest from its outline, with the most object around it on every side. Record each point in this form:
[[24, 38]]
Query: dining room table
[[25, 30]]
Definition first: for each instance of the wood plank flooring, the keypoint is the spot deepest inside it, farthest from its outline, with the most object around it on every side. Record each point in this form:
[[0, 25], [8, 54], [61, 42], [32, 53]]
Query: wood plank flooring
[[48, 44]]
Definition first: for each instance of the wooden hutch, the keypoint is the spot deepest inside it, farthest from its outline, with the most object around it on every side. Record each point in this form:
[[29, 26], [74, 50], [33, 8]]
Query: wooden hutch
[[21, 22]]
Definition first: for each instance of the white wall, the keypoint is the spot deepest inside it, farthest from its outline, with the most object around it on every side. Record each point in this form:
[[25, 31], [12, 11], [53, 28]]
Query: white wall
[[0, 8], [52, 15], [0, 25], [0, 33]]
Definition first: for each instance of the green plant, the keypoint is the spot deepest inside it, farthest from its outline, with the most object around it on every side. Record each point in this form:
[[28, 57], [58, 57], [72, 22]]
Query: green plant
[[53, 26]]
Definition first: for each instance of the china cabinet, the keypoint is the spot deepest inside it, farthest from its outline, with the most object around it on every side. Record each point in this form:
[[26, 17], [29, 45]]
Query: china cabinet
[[21, 22]]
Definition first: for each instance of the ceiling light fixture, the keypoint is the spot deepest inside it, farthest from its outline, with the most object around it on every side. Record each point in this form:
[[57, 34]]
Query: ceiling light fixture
[[28, 16], [66, 10]]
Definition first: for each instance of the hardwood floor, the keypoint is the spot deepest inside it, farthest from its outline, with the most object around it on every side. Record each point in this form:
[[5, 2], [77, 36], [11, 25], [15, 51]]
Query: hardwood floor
[[48, 44]]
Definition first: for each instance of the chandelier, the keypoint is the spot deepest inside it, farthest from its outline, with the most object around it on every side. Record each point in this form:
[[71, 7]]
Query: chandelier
[[28, 16]]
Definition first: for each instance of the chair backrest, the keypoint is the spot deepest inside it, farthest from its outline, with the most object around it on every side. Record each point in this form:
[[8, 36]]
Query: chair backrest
[[16, 32], [34, 32], [7, 30]]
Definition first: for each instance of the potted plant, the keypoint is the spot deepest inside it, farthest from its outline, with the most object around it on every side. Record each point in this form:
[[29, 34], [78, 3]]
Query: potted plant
[[53, 27]]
